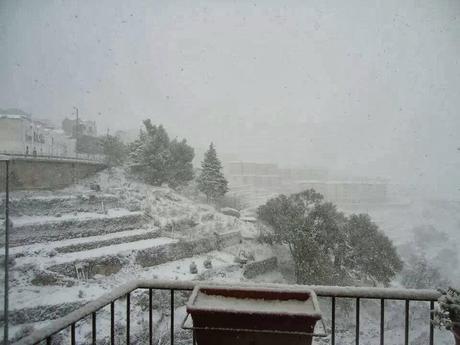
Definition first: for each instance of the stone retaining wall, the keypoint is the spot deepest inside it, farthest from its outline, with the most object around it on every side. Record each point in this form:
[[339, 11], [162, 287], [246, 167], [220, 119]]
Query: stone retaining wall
[[41, 313], [98, 244], [256, 268], [105, 265], [65, 229], [111, 264], [36, 206], [184, 249], [35, 173]]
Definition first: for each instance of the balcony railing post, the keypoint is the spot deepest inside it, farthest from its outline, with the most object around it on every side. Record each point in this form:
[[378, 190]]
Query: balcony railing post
[[72, 334], [112, 323], [93, 327], [333, 321], [382, 321], [406, 324], [431, 323], [128, 311], [172, 316], [150, 318], [357, 320]]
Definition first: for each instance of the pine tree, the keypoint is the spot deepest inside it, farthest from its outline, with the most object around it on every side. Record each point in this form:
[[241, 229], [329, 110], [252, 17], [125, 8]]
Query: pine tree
[[159, 160], [114, 150], [211, 180]]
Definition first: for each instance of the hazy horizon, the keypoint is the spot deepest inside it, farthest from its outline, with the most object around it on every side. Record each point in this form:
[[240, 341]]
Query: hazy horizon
[[368, 87]]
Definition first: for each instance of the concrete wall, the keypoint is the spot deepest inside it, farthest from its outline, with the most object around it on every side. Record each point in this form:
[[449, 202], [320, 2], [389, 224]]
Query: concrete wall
[[37, 173], [12, 135]]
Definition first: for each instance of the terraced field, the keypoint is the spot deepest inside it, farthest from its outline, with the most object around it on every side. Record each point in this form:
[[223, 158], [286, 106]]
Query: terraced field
[[71, 246]]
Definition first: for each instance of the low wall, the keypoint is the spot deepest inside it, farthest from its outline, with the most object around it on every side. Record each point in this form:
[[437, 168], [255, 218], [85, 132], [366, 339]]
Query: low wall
[[41, 313], [36, 173], [30, 206], [256, 268], [108, 265], [59, 230], [184, 249], [105, 265]]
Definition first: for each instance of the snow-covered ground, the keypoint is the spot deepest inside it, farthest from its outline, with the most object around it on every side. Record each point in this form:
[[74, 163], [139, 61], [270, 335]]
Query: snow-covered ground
[[177, 218], [76, 216]]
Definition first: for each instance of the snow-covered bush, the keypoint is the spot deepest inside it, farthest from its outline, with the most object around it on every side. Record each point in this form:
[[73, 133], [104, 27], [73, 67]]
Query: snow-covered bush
[[419, 273], [448, 313]]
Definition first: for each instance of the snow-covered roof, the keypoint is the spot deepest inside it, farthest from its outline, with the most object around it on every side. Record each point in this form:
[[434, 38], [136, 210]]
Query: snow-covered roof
[[14, 117]]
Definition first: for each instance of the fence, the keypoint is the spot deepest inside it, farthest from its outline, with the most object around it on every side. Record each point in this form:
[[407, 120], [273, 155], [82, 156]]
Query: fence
[[358, 294]]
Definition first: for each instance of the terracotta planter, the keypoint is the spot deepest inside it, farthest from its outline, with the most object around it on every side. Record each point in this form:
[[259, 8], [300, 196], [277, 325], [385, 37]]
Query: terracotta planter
[[253, 316], [456, 332]]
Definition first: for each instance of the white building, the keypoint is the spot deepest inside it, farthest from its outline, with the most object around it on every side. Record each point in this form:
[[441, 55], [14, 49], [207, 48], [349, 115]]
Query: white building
[[346, 192], [19, 134]]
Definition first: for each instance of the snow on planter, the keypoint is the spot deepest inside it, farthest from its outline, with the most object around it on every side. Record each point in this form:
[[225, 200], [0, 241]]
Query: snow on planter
[[253, 316]]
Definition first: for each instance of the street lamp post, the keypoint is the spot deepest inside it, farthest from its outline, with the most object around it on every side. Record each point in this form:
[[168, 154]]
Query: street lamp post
[[7, 244], [76, 132]]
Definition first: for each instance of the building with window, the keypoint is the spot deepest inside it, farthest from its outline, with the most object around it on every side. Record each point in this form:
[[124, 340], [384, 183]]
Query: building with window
[[20, 134], [85, 128]]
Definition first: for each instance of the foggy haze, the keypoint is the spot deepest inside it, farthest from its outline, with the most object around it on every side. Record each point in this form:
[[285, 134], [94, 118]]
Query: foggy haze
[[369, 87]]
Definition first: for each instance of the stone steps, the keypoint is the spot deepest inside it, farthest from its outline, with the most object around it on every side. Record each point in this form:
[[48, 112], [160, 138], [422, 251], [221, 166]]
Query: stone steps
[[29, 230], [83, 246], [146, 253], [102, 263], [83, 243]]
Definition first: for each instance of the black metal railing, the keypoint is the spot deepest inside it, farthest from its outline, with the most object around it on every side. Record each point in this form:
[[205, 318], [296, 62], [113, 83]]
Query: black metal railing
[[333, 294]]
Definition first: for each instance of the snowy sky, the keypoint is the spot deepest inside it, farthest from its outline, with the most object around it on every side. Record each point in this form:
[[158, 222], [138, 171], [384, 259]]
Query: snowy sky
[[367, 86]]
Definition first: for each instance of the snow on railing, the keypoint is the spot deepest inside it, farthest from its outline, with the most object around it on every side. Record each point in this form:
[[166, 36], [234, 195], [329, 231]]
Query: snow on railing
[[333, 292]]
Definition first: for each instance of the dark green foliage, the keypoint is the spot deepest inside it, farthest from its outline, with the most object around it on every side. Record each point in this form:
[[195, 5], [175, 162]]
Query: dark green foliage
[[89, 144], [371, 252], [180, 168], [211, 181], [114, 150], [326, 246], [159, 160], [232, 201], [448, 314]]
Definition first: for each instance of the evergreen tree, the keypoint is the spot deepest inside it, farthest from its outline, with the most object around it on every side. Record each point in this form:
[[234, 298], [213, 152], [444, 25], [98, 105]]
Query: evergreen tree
[[114, 150], [211, 180], [158, 160], [326, 246], [180, 168]]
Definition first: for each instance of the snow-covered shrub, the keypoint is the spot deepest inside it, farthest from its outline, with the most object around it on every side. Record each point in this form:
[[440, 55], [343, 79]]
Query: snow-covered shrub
[[419, 273], [448, 313]]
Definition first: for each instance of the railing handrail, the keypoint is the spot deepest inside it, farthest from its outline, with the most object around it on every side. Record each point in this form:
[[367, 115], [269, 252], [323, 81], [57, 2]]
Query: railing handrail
[[123, 290]]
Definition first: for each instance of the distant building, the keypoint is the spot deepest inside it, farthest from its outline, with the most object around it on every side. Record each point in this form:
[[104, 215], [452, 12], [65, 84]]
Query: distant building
[[259, 175], [19, 134], [348, 192], [302, 174], [85, 128]]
